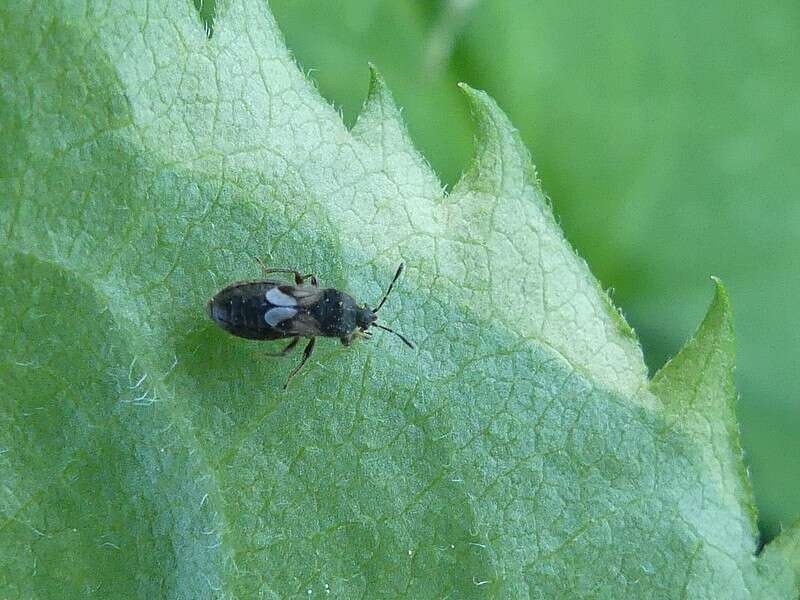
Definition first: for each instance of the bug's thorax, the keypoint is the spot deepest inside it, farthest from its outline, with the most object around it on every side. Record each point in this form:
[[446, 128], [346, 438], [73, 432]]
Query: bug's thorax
[[337, 313]]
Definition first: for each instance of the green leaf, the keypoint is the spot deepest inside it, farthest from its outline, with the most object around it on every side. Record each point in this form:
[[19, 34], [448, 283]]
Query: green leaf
[[521, 451]]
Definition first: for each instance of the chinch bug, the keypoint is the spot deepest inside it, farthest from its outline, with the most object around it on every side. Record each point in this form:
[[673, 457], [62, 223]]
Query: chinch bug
[[271, 310]]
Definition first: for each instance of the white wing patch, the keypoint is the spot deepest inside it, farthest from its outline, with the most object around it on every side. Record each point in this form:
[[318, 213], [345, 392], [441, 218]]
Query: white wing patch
[[279, 314], [277, 298]]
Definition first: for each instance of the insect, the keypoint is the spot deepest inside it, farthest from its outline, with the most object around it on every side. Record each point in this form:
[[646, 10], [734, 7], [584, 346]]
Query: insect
[[271, 310]]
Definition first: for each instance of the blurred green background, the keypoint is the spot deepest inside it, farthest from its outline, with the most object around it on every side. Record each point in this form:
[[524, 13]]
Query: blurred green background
[[666, 134]]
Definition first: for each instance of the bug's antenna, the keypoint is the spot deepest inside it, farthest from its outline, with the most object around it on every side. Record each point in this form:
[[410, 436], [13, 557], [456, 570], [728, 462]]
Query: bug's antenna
[[401, 336], [391, 285]]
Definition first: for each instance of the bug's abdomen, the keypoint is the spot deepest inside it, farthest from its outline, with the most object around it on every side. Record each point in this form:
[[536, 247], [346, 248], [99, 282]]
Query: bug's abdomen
[[240, 309]]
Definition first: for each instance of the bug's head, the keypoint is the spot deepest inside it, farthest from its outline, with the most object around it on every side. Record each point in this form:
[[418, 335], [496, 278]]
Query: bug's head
[[367, 317]]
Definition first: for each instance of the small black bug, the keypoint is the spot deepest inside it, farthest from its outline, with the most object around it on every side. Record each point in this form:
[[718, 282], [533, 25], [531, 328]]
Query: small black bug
[[272, 310]]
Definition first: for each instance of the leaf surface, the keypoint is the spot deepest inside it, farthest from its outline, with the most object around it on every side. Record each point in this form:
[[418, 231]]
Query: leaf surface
[[520, 452]]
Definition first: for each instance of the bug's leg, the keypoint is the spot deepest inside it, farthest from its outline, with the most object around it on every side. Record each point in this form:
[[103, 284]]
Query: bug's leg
[[361, 333], [261, 264], [298, 278], [306, 353], [286, 350], [313, 278]]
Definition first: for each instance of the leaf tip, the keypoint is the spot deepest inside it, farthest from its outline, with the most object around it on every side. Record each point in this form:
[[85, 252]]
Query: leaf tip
[[380, 126], [780, 559], [473, 95], [379, 108], [714, 333], [719, 317], [499, 149], [699, 379], [487, 114], [721, 297], [377, 85]]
